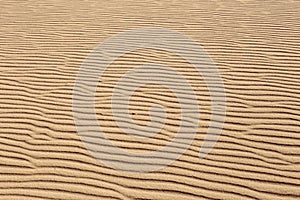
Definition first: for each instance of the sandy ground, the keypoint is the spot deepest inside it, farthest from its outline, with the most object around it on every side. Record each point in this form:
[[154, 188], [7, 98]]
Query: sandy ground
[[254, 44]]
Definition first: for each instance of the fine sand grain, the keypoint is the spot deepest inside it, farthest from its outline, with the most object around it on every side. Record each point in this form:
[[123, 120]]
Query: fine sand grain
[[254, 44]]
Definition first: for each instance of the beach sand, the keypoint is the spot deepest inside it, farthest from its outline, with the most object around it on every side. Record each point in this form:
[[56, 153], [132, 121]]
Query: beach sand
[[255, 46]]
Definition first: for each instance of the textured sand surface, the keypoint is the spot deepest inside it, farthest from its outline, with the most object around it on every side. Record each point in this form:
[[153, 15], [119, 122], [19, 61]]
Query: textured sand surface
[[255, 45]]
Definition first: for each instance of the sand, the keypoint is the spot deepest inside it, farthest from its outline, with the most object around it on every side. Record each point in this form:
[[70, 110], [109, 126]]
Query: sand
[[254, 44]]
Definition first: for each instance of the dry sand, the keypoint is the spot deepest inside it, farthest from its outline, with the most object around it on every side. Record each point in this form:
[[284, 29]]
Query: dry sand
[[255, 45]]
